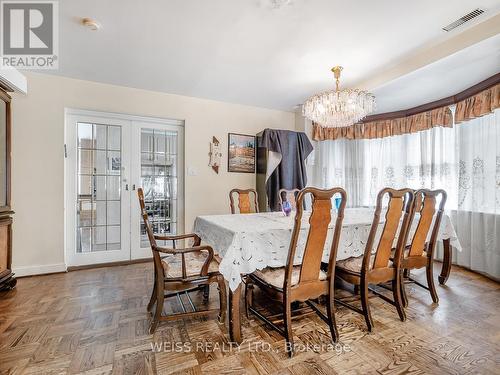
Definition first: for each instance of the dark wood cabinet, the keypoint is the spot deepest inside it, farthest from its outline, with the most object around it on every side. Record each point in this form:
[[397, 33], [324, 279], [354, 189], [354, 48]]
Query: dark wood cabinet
[[7, 280]]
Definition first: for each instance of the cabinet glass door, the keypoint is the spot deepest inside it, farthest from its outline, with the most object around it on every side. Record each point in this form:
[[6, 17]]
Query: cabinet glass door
[[3, 153]]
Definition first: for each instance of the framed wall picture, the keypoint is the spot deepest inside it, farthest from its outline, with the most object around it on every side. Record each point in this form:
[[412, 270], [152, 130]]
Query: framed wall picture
[[241, 153]]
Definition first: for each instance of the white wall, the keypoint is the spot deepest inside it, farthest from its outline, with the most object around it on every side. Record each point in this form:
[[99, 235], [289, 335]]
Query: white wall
[[38, 160], [304, 125]]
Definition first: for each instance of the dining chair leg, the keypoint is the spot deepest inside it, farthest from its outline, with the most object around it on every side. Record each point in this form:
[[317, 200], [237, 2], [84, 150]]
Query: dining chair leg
[[356, 289], [404, 297], [152, 300], [159, 308], [430, 281], [222, 299], [287, 320], [330, 312], [249, 287], [446, 268], [365, 304], [396, 291]]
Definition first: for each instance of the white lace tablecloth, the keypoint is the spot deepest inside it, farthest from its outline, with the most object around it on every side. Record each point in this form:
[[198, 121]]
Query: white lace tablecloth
[[256, 241]]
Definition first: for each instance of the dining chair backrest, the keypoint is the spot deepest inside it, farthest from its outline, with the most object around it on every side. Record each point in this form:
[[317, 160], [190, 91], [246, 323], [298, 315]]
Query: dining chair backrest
[[397, 219], [430, 214], [147, 224], [245, 204], [319, 222], [289, 196]]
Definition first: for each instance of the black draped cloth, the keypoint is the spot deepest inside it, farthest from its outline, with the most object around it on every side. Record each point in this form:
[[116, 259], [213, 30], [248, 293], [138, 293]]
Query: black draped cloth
[[289, 150]]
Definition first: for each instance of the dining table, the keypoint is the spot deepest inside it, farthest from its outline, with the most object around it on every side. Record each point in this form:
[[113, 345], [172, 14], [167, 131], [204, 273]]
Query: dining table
[[245, 243]]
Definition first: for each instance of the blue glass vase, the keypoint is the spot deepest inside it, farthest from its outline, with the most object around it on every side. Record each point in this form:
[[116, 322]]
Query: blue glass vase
[[287, 208]]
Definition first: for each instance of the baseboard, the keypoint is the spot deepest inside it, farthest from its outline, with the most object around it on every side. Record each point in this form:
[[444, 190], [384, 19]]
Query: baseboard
[[39, 270], [61, 267], [109, 264]]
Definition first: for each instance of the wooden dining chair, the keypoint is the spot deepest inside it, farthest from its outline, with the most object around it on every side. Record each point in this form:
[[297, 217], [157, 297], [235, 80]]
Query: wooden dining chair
[[289, 196], [420, 252], [305, 282], [377, 267], [244, 201], [181, 271]]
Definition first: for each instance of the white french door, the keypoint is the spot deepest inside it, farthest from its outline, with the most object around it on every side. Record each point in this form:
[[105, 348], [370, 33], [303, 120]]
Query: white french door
[[108, 157], [157, 166]]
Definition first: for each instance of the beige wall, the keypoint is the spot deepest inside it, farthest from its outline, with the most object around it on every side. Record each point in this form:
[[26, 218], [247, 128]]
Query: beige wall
[[38, 163]]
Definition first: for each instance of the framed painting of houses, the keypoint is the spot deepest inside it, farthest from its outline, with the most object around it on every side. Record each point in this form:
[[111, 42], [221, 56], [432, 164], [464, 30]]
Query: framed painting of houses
[[241, 153]]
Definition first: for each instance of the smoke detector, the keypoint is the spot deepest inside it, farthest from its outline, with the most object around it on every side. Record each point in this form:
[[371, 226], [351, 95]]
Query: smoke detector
[[91, 24], [276, 4]]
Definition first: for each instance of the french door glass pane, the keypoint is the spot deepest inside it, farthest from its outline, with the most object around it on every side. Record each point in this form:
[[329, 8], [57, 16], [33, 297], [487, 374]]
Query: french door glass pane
[[159, 180], [99, 193]]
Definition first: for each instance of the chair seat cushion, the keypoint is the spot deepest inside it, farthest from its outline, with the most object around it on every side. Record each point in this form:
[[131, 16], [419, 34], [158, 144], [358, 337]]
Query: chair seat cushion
[[276, 276], [172, 265], [354, 264]]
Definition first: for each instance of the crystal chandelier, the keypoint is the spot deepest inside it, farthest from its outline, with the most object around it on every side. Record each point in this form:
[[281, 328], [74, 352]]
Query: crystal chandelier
[[338, 108]]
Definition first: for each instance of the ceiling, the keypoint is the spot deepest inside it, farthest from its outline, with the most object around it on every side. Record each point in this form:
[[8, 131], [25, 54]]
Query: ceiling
[[247, 52], [441, 79]]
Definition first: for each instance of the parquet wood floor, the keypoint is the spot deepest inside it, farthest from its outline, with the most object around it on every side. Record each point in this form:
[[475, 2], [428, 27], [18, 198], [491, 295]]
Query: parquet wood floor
[[95, 322]]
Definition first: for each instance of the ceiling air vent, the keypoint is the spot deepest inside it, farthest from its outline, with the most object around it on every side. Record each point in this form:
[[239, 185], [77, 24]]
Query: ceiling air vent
[[469, 16]]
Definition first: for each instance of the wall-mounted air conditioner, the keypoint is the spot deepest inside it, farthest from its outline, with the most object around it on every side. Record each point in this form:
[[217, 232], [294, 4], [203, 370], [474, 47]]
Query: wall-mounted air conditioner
[[12, 80]]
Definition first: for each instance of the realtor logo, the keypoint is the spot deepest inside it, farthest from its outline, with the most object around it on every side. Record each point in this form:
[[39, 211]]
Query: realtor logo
[[29, 37]]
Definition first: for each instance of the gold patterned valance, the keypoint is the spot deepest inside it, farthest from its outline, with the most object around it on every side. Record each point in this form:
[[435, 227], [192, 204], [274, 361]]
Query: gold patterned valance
[[478, 105], [386, 128]]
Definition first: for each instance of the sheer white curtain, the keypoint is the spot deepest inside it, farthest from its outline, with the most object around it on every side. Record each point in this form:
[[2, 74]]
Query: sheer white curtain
[[476, 220], [463, 160], [340, 163], [363, 167]]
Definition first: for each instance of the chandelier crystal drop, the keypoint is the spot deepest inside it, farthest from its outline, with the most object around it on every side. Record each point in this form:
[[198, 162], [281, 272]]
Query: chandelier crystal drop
[[338, 108]]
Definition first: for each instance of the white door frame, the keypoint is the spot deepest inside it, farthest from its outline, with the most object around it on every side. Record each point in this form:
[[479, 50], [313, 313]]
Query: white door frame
[[129, 200]]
